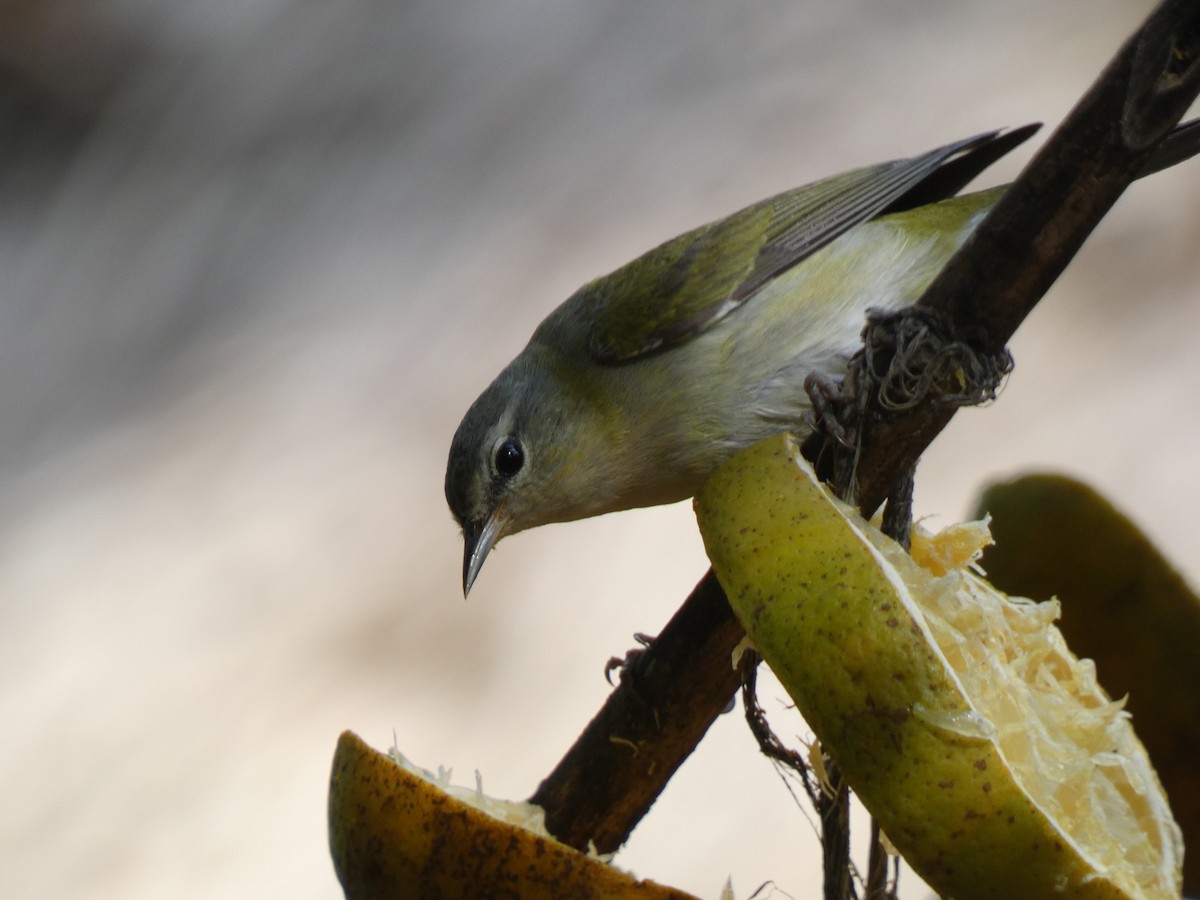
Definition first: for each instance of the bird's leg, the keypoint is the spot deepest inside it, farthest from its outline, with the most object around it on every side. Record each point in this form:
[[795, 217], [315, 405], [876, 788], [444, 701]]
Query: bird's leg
[[836, 418], [825, 394], [909, 357]]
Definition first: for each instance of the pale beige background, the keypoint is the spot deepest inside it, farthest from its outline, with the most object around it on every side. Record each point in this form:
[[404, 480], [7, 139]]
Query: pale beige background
[[255, 261]]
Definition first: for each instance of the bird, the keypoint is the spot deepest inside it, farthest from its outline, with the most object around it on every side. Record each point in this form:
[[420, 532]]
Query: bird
[[639, 385]]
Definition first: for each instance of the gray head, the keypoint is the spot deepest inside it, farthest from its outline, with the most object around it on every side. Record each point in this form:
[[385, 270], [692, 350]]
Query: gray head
[[544, 443], [487, 456], [506, 470]]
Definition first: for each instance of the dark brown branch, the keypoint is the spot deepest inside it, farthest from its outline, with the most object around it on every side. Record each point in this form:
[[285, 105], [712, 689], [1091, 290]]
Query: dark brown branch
[[1032, 233], [667, 698], [650, 723]]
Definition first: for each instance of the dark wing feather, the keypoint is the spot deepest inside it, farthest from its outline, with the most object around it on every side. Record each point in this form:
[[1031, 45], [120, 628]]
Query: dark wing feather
[[685, 285]]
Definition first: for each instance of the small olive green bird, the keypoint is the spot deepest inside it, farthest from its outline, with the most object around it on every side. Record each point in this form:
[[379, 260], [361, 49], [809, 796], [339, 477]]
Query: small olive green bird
[[644, 381]]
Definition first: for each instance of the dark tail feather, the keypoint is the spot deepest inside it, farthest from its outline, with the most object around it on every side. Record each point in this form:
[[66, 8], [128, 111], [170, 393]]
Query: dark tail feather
[[950, 178]]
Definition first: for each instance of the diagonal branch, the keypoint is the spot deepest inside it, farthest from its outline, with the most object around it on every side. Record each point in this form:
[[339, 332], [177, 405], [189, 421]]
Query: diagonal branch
[[653, 720], [1031, 234]]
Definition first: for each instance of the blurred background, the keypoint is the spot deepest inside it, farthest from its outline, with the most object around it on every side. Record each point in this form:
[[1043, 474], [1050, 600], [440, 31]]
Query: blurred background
[[257, 258]]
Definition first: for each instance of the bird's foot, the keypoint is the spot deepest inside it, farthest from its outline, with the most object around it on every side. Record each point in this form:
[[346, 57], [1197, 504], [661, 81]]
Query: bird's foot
[[827, 406], [627, 667]]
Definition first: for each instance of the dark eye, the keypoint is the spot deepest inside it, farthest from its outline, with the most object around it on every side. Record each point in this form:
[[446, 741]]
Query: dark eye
[[510, 457]]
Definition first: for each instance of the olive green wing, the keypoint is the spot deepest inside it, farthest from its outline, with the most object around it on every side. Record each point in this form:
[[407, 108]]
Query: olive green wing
[[685, 285]]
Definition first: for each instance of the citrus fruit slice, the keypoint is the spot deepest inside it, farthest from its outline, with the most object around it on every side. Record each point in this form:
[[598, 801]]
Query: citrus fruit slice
[[988, 753], [396, 833], [1124, 605]]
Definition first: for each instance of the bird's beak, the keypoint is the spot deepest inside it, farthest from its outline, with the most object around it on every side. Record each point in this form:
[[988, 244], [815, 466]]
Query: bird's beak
[[479, 536]]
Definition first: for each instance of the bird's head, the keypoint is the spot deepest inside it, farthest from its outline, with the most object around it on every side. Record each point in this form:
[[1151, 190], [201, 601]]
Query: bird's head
[[527, 453]]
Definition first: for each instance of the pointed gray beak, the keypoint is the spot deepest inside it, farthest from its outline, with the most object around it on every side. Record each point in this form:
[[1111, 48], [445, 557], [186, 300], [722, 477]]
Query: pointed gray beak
[[479, 539]]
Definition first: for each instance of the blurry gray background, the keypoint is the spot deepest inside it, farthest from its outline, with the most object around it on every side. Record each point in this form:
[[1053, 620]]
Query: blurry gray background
[[255, 261]]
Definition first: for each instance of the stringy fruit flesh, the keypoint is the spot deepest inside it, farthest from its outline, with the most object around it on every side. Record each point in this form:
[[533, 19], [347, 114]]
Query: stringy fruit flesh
[[989, 754]]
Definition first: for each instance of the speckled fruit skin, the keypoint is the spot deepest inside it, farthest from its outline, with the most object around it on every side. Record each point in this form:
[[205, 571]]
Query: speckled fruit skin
[[395, 835], [828, 616]]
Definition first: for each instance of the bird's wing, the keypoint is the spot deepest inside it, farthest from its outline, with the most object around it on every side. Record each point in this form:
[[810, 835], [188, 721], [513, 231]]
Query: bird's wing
[[682, 287]]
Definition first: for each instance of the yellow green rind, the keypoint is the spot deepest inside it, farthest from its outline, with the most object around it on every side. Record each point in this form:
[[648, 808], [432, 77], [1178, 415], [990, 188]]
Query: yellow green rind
[[830, 617], [396, 835]]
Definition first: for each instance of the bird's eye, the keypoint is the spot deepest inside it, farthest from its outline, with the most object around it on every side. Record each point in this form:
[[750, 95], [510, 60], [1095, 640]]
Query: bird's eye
[[510, 457]]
